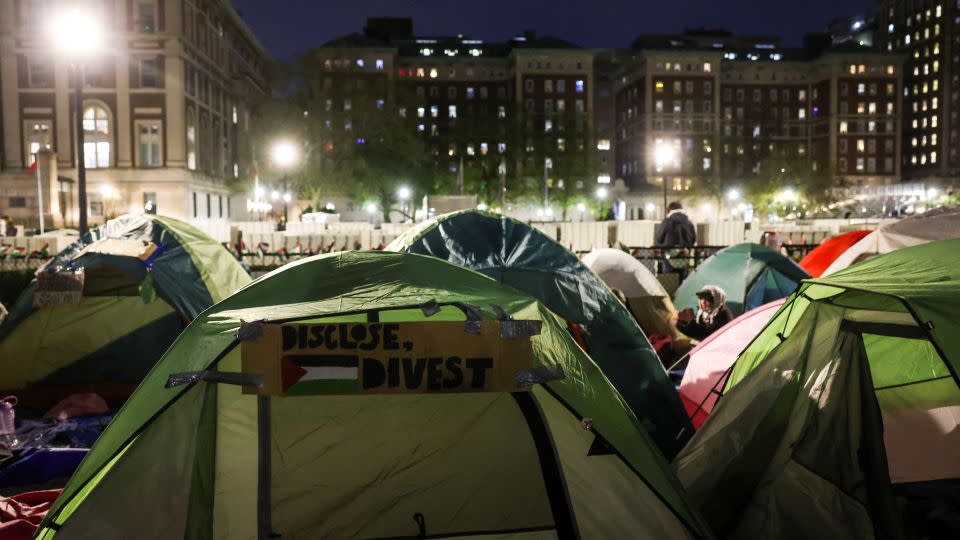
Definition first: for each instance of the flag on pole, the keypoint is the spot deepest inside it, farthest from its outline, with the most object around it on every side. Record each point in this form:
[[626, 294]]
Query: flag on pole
[[35, 169]]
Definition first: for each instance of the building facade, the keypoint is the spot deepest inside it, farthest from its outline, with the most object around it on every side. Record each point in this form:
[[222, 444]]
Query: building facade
[[698, 111], [521, 110], [927, 34], [166, 109]]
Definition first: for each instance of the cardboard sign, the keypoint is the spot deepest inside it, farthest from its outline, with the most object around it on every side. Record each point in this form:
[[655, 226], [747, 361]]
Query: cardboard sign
[[385, 358]]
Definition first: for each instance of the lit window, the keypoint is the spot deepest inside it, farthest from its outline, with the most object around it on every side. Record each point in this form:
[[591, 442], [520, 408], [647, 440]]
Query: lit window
[[501, 111], [933, 103], [483, 149], [603, 144], [470, 92], [452, 111], [146, 17], [97, 137], [860, 164], [861, 146], [579, 86], [890, 70], [801, 113], [706, 67], [421, 112], [658, 86], [872, 107], [871, 126], [861, 89], [933, 157], [843, 126], [379, 64], [434, 111], [149, 144], [853, 69], [235, 118], [561, 144], [933, 121], [913, 142], [547, 126], [501, 147], [360, 62], [420, 72], [433, 73]]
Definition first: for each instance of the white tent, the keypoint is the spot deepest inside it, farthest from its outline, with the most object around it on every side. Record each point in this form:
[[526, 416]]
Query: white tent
[[937, 224], [646, 298]]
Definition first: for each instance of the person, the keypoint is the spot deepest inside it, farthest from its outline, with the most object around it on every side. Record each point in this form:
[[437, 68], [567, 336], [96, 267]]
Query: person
[[677, 232], [712, 313]]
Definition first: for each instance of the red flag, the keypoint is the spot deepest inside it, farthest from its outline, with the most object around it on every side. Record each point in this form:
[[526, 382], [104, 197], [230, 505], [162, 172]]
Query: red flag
[[33, 166]]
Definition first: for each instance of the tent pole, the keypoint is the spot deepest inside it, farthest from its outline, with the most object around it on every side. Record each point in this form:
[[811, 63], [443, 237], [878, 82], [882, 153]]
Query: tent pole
[[264, 519]]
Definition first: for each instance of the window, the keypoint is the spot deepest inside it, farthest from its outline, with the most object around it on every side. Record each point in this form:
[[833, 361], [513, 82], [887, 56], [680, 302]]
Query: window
[[452, 111], [451, 92], [802, 95], [708, 86], [785, 95], [483, 92], [859, 164], [149, 144], [146, 17], [843, 126], [528, 85], [707, 106], [843, 89], [603, 144], [842, 164], [501, 111], [561, 105], [688, 87], [658, 105], [379, 64], [580, 107], [150, 202], [579, 86], [843, 146], [209, 206], [39, 73], [470, 92], [192, 140], [434, 111], [561, 86], [548, 86], [756, 95], [530, 105], [801, 113], [861, 146], [872, 146], [38, 137], [677, 87], [347, 105], [871, 165], [547, 126], [149, 73], [96, 137], [658, 86], [707, 67]]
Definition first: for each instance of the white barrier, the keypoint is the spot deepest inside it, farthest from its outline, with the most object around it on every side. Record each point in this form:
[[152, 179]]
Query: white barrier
[[584, 236], [636, 233]]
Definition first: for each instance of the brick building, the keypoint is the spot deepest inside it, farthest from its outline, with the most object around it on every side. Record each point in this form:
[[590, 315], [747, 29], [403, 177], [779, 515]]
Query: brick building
[[927, 34], [521, 105], [166, 109], [722, 106]]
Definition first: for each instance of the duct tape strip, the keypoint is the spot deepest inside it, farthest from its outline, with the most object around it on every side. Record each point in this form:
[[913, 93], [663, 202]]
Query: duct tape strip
[[219, 377], [501, 314], [152, 255], [511, 329], [430, 308], [474, 316], [540, 375], [249, 331]]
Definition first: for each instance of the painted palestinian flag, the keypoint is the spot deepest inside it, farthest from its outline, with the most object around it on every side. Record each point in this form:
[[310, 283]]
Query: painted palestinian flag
[[319, 374], [297, 249]]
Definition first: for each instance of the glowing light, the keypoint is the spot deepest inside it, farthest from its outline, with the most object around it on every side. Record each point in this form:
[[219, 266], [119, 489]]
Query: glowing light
[[733, 195], [284, 154], [481, 207], [371, 208], [602, 193], [274, 195], [403, 193], [581, 207], [76, 33], [650, 207], [287, 197]]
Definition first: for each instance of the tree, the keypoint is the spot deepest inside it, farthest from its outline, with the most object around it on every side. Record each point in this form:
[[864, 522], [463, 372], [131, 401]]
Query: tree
[[788, 183]]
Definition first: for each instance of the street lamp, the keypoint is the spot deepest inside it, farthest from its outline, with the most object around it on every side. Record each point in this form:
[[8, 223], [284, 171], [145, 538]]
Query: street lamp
[[733, 195], [284, 155], [403, 194], [663, 154], [77, 35]]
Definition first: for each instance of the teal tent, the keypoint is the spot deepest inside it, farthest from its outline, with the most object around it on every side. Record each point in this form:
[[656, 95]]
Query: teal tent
[[752, 275], [522, 257], [145, 279]]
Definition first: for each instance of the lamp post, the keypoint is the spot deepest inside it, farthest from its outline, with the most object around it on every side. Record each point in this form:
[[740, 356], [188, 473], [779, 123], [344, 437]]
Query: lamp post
[[663, 154], [404, 195], [284, 156], [602, 193], [77, 35]]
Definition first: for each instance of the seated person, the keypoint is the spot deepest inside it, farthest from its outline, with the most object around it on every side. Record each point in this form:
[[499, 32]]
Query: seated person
[[712, 313]]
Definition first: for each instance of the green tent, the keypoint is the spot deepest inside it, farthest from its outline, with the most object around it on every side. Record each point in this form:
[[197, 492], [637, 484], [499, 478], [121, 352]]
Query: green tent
[[847, 400], [750, 274], [131, 310], [522, 257], [193, 455]]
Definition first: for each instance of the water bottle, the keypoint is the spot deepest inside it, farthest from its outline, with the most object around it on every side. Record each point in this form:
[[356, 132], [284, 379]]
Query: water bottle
[[8, 431]]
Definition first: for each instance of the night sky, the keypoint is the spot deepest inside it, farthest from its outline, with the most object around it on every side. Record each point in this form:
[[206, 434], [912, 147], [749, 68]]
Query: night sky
[[286, 27]]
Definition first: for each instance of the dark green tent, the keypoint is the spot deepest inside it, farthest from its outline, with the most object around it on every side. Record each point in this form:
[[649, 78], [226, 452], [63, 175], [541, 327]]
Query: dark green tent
[[848, 399], [522, 257], [131, 310], [752, 275]]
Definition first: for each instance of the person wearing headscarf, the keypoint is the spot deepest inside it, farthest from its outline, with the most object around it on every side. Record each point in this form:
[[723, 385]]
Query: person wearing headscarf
[[712, 313]]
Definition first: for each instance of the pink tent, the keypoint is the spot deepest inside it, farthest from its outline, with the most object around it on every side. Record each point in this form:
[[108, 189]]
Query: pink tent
[[710, 360]]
